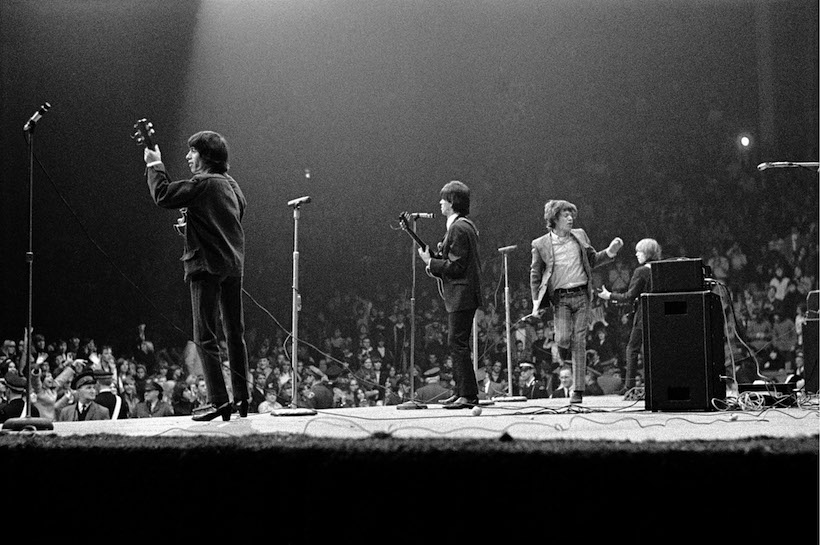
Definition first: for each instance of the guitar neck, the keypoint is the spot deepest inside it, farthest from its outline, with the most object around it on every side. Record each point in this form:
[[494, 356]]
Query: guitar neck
[[417, 239]]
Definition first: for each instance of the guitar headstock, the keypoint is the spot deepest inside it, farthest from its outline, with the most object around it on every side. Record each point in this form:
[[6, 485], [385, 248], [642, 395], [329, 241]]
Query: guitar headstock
[[144, 130], [404, 220]]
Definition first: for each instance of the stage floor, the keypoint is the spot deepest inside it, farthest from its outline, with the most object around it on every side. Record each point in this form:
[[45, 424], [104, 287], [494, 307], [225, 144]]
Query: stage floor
[[608, 418]]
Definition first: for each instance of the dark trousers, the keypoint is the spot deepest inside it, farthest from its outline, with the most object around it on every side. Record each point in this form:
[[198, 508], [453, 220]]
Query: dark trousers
[[460, 326], [210, 295], [633, 348]]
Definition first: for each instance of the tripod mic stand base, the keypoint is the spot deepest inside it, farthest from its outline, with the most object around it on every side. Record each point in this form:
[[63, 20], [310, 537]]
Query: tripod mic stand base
[[409, 405], [29, 423], [507, 399], [293, 412]]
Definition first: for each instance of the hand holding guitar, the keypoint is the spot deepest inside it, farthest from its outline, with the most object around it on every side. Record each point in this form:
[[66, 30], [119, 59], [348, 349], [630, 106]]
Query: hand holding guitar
[[144, 131]]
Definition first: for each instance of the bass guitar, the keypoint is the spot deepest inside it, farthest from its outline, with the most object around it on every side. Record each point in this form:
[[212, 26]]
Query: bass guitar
[[404, 221], [143, 136]]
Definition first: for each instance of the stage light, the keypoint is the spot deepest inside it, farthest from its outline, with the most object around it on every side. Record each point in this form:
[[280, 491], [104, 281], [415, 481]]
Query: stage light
[[744, 141]]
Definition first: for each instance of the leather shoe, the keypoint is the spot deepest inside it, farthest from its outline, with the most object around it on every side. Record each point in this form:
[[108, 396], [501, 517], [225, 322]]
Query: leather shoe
[[242, 408], [212, 412], [577, 397], [449, 400], [462, 403]]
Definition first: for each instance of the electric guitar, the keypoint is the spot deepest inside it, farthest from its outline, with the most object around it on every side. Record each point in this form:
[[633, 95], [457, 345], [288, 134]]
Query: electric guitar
[[404, 221], [143, 133]]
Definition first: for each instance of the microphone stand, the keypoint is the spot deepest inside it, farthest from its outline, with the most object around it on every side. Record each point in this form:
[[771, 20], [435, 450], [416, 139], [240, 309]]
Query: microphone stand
[[27, 422], [505, 251], [412, 403], [294, 410]]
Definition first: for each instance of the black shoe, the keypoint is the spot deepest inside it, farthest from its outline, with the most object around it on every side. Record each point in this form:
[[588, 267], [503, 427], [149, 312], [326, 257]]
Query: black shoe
[[462, 403], [242, 408], [212, 412], [449, 400]]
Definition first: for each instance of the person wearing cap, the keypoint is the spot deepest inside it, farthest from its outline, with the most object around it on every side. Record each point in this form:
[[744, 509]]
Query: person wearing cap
[[153, 406], [531, 387], [433, 390], [320, 395], [108, 397], [15, 407], [86, 407], [458, 267]]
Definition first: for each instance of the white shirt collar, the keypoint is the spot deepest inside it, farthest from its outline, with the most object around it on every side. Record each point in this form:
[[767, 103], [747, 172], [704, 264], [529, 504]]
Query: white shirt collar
[[451, 220]]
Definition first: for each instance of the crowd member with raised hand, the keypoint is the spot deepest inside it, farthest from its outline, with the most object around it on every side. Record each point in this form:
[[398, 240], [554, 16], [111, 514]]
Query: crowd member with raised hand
[[51, 393]]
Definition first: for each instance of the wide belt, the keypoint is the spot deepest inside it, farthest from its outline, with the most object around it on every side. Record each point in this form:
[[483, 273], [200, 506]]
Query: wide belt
[[560, 291]]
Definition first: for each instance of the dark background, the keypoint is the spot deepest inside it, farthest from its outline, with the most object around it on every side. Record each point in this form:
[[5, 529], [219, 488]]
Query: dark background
[[626, 108]]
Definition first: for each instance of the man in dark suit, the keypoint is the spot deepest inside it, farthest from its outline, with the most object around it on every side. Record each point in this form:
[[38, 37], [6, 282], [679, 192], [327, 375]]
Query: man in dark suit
[[531, 387], [565, 378], [561, 273], [458, 265], [213, 259]]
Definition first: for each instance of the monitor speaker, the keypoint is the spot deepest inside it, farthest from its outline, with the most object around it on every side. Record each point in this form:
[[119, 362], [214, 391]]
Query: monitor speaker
[[676, 275], [683, 351]]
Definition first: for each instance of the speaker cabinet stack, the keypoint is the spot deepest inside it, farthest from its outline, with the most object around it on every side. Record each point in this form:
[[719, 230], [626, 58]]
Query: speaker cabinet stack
[[683, 350]]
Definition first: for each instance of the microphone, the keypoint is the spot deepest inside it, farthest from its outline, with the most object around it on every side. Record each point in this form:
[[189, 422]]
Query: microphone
[[422, 215], [786, 164], [36, 117], [300, 200], [506, 249]]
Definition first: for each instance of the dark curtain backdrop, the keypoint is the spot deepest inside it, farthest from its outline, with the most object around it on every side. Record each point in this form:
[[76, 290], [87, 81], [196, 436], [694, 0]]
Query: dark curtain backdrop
[[612, 105]]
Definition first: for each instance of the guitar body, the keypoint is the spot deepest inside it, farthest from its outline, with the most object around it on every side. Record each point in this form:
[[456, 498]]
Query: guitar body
[[404, 221], [144, 131]]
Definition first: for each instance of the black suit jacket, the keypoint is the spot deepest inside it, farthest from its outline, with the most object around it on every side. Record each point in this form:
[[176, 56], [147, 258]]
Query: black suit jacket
[[459, 267], [559, 392], [214, 238]]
